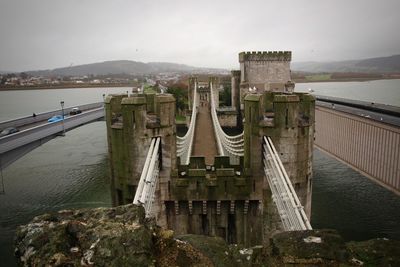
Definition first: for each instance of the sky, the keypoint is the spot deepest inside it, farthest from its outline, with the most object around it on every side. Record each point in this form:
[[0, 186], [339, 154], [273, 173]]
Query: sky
[[46, 34]]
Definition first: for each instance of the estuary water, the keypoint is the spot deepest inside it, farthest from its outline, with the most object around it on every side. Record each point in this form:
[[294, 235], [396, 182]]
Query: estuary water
[[72, 171], [19, 103], [378, 91]]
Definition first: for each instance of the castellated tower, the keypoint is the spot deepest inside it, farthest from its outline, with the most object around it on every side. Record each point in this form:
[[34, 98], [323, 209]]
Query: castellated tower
[[131, 124], [271, 108], [263, 71]]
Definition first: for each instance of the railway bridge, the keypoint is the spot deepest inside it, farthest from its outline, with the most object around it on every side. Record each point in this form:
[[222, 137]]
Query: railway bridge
[[365, 136]]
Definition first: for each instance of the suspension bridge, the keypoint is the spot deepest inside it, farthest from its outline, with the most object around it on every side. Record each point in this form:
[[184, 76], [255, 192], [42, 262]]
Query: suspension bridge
[[287, 203]]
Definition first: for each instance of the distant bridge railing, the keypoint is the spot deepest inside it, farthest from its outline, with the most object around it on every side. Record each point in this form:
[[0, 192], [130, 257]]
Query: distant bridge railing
[[18, 122], [18, 144]]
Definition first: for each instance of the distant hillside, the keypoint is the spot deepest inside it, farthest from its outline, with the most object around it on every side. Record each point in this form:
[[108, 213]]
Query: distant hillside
[[5, 72], [117, 67], [371, 65]]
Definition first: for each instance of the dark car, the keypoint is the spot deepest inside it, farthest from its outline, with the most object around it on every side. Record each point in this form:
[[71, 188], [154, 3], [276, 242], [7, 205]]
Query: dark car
[[75, 111], [9, 130]]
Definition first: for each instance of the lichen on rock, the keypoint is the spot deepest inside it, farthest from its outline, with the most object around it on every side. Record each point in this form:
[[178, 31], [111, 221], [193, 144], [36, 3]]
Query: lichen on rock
[[118, 236], [122, 236]]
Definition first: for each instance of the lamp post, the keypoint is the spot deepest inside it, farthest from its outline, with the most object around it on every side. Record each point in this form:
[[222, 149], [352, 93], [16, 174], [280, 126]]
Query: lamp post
[[63, 126]]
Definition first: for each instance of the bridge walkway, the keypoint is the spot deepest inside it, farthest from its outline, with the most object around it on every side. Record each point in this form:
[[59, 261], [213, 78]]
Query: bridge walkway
[[204, 142]]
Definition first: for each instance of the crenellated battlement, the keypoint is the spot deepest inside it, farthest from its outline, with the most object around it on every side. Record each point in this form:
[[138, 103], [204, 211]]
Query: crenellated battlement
[[265, 56], [235, 73]]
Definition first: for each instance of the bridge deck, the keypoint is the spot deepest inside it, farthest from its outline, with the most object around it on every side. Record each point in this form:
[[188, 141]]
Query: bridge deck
[[28, 122], [34, 131], [204, 139]]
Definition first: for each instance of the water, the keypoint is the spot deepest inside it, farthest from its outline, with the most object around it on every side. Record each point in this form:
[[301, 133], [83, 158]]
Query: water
[[67, 172], [15, 104], [380, 91], [345, 200], [72, 171]]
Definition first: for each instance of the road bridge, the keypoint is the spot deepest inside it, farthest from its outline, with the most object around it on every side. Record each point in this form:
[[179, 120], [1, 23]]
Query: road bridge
[[364, 136], [35, 131]]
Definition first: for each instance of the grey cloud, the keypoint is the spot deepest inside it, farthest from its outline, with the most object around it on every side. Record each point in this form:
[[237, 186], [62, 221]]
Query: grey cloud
[[53, 33]]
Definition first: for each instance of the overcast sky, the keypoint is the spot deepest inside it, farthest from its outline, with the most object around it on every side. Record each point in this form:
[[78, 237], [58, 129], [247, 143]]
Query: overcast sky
[[43, 34]]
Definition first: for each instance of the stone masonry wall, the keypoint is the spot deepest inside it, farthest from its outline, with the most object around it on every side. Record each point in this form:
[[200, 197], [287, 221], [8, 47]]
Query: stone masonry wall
[[289, 120], [260, 68], [131, 124]]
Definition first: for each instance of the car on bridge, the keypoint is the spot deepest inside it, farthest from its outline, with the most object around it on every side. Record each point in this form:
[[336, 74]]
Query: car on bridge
[[75, 111], [9, 130], [55, 118]]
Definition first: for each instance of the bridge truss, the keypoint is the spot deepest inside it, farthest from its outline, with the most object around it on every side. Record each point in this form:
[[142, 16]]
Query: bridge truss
[[284, 196]]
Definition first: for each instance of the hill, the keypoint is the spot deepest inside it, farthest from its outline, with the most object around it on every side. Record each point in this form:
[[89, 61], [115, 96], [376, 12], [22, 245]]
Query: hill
[[5, 72], [372, 65], [117, 67]]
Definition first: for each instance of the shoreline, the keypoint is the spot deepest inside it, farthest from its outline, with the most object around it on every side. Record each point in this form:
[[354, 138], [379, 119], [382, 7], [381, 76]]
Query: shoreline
[[345, 80], [69, 86], [106, 85]]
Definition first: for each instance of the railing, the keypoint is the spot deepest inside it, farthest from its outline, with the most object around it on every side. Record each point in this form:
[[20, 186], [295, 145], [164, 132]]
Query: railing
[[184, 144], [284, 196], [231, 146], [145, 193]]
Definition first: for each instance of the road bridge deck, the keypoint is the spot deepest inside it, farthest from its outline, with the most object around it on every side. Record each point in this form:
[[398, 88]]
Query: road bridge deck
[[31, 121], [34, 131]]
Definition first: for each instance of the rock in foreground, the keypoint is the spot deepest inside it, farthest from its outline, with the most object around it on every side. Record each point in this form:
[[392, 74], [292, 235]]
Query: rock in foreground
[[122, 236], [101, 237]]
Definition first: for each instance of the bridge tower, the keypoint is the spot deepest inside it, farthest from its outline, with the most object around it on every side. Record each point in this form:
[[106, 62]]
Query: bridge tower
[[132, 121], [192, 83], [216, 88], [270, 108], [235, 94], [267, 71], [288, 119]]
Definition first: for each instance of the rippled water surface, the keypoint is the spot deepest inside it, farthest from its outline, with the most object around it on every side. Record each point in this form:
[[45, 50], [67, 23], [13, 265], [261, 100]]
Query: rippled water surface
[[19, 103], [67, 172], [345, 200], [379, 91]]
